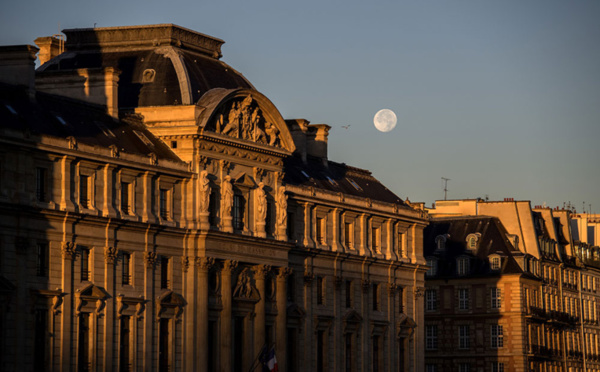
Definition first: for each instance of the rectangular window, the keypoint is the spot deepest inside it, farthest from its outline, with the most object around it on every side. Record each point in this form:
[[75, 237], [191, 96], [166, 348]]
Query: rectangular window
[[125, 198], [431, 367], [464, 341], [84, 191], [321, 233], [40, 184], [164, 203], [85, 264], [83, 344], [43, 260], [496, 336], [349, 293], [126, 265], [432, 268], [124, 344], [495, 263], [496, 298], [464, 367], [164, 363], [400, 245], [430, 300], [164, 272], [40, 346], [497, 367], [463, 299], [238, 211], [321, 354], [431, 337], [376, 352], [400, 300], [348, 351], [320, 290], [348, 235], [375, 238], [463, 266], [376, 297]]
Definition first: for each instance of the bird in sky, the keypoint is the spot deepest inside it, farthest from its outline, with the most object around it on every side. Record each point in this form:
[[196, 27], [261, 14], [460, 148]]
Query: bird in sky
[[346, 126]]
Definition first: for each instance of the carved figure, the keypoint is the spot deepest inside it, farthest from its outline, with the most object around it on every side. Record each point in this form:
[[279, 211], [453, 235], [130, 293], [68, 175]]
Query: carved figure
[[259, 134], [226, 196], [261, 202], [243, 287], [233, 123], [246, 117], [281, 206], [272, 133], [204, 192]]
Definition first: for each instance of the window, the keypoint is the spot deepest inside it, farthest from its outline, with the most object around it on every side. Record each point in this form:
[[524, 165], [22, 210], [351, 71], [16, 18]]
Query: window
[[431, 367], [472, 240], [40, 184], [239, 205], [376, 351], [432, 263], [463, 266], [85, 264], [400, 244], [376, 297], [164, 361], [496, 298], [43, 259], [496, 336], [320, 290], [431, 300], [124, 344], [348, 235], [431, 337], [464, 341], [497, 367], [84, 191], [440, 243], [400, 300], [464, 367], [126, 262], [163, 203], [40, 346], [83, 344], [125, 198], [321, 230], [463, 299], [348, 351], [495, 263], [164, 272], [291, 228], [349, 293], [375, 238]]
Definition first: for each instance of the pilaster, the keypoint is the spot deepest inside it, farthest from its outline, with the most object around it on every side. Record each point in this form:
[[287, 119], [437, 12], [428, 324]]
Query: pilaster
[[226, 347]]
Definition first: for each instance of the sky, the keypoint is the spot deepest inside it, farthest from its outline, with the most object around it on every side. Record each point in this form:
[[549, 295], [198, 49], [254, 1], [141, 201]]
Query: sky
[[501, 97]]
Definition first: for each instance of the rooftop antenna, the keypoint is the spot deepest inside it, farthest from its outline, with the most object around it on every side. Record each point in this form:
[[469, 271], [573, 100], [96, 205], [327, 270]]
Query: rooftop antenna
[[445, 186]]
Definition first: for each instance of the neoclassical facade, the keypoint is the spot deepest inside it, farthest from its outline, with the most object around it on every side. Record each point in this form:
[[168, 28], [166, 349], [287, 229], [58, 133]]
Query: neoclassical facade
[[157, 213]]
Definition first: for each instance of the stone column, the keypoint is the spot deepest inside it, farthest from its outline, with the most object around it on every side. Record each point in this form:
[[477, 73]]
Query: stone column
[[390, 349], [149, 319], [68, 254], [366, 326], [66, 204], [260, 273], [108, 209], [308, 325], [281, 320], [110, 257], [419, 334], [338, 337], [226, 347], [307, 239], [204, 265], [336, 245]]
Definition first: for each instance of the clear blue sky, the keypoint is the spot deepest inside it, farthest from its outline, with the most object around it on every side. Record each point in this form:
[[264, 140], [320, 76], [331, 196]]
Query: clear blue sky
[[502, 97]]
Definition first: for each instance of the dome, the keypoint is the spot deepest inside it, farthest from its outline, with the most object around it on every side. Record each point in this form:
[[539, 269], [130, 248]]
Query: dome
[[161, 65]]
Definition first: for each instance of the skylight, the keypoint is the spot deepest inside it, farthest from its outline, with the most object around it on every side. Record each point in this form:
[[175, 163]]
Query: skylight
[[143, 138], [354, 184], [107, 132], [305, 174], [331, 181], [61, 120], [12, 110]]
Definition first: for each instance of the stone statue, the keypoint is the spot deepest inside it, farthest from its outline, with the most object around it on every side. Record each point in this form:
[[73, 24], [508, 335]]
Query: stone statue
[[261, 202], [204, 201], [246, 117], [272, 133], [259, 134], [281, 206], [226, 196], [243, 287], [233, 123]]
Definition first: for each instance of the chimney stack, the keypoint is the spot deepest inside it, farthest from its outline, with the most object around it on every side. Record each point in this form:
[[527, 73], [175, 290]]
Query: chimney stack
[[17, 66], [50, 47]]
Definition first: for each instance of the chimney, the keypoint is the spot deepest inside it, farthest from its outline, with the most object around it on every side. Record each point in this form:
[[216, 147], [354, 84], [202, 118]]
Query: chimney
[[298, 129], [50, 47], [316, 141], [17, 66]]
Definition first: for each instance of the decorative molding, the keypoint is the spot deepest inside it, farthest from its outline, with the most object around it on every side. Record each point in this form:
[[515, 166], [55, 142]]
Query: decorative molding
[[204, 263], [284, 272], [261, 271], [68, 250], [229, 265], [150, 258], [110, 254], [185, 263], [203, 161], [366, 285], [419, 292]]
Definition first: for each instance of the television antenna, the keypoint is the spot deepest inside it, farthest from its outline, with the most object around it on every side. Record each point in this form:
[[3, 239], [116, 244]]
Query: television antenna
[[445, 186]]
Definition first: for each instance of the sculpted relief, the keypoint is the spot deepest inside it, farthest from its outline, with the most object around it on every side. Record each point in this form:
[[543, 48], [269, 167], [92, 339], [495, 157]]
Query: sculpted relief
[[244, 119]]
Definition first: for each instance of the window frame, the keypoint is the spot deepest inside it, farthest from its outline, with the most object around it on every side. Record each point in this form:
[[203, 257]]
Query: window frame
[[463, 298], [430, 300], [496, 336], [495, 298], [431, 337], [464, 337]]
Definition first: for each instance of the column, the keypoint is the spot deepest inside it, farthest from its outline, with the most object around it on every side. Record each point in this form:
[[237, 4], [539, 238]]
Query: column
[[309, 357], [281, 320], [108, 198], [307, 240], [336, 245], [338, 337], [260, 273], [390, 350], [110, 257], [68, 254], [226, 347], [66, 204], [149, 318], [204, 264], [419, 334]]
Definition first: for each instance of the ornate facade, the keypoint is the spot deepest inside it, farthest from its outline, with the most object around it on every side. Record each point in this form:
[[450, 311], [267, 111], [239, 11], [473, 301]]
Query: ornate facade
[[158, 213]]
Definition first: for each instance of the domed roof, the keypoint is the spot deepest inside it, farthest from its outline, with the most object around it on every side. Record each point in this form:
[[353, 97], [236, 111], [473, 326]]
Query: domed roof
[[160, 65]]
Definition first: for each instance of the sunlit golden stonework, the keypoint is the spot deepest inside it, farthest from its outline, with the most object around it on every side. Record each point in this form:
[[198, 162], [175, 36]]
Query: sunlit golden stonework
[[157, 213]]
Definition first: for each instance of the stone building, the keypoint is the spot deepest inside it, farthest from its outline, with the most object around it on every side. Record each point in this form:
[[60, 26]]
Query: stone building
[[158, 213], [549, 317]]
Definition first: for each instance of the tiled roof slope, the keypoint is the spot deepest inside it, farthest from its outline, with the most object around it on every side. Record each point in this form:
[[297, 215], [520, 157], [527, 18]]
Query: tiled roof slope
[[87, 123], [493, 240]]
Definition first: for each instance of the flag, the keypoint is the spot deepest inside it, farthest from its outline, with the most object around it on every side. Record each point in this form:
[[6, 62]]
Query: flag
[[270, 361]]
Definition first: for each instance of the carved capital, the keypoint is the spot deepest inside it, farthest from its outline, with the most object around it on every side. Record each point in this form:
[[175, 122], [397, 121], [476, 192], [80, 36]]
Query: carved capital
[[110, 254], [392, 288], [366, 284], [68, 250], [419, 291], [185, 263], [259, 174], [150, 259], [261, 271], [226, 165], [203, 161], [205, 263], [308, 278], [229, 265], [284, 273]]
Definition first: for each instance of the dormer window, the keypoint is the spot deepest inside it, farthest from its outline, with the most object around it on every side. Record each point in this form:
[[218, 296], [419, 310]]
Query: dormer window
[[495, 262], [462, 266], [440, 242], [472, 240], [433, 267]]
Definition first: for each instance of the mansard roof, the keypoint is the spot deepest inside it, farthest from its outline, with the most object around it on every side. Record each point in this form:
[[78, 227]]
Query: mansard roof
[[87, 123], [160, 65], [336, 177], [492, 240]]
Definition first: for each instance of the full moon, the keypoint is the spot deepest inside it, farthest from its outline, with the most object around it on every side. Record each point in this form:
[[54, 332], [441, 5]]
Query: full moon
[[385, 120]]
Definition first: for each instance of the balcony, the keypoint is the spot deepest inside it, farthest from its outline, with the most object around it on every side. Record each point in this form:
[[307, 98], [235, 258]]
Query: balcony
[[536, 313], [560, 318]]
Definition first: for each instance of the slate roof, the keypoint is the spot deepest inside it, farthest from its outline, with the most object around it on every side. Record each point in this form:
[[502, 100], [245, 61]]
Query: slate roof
[[493, 240], [337, 177], [89, 124]]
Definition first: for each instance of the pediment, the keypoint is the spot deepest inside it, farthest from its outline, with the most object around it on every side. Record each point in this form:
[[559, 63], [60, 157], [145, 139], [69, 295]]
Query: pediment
[[352, 316], [169, 305], [246, 116], [94, 292], [295, 311], [91, 298], [246, 181]]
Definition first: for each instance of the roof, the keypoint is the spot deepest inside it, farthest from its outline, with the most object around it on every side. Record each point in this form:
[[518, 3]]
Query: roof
[[492, 240], [336, 177], [160, 65], [89, 124]]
